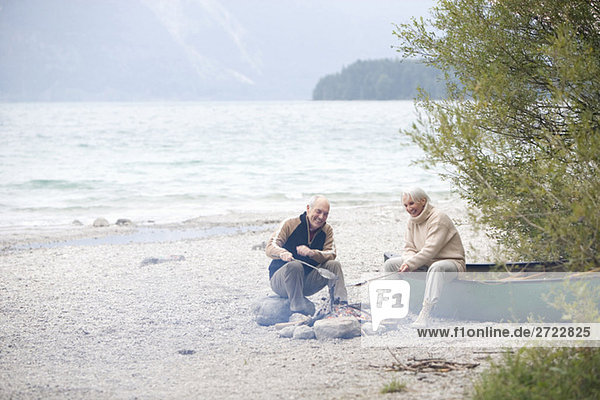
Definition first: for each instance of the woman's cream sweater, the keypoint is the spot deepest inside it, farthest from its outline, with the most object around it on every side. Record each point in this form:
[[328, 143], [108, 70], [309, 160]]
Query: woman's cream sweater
[[431, 237]]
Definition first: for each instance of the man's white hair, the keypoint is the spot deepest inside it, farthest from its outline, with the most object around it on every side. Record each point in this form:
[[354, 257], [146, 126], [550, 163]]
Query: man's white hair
[[416, 193], [315, 198]]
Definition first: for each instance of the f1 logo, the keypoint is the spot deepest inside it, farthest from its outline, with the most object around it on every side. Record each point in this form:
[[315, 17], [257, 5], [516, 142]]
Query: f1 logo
[[389, 299]]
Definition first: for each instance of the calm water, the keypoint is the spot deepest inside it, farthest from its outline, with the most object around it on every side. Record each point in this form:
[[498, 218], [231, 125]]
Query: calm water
[[168, 162]]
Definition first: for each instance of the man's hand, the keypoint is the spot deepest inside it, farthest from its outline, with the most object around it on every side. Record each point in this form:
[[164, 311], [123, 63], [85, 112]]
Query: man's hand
[[403, 268], [305, 251], [286, 256]]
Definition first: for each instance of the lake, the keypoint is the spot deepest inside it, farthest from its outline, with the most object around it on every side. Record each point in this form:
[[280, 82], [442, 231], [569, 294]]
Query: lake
[[168, 162]]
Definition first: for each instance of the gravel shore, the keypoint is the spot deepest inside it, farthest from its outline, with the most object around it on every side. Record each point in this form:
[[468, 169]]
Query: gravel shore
[[92, 320]]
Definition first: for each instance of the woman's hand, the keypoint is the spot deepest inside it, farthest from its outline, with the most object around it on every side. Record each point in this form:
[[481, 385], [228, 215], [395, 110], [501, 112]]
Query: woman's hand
[[403, 268]]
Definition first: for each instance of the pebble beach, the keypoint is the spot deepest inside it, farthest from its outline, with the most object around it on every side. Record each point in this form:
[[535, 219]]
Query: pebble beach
[[87, 318]]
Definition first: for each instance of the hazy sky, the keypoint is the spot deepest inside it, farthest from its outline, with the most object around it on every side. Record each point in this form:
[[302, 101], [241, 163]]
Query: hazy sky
[[188, 49]]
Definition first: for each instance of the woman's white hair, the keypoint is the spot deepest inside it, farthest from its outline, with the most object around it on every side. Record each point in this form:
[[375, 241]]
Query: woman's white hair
[[416, 193]]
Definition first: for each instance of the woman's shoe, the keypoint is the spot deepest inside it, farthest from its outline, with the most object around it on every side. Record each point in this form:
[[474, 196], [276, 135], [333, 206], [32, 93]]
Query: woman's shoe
[[424, 317]]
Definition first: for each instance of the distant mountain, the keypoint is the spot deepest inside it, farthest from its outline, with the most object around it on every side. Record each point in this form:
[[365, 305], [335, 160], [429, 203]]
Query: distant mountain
[[119, 50], [384, 79], [57, 50]]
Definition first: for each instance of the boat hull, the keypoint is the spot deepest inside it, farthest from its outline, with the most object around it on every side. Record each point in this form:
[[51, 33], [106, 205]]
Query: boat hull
[[523, 292]]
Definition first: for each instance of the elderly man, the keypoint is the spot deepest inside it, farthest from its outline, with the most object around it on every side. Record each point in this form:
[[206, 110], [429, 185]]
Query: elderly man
[[306, 238]]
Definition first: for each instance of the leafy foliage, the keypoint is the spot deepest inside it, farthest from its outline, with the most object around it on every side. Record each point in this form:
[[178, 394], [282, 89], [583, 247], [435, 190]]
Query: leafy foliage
[[578, 299], [539, 373], [520, 135], [384, 79]]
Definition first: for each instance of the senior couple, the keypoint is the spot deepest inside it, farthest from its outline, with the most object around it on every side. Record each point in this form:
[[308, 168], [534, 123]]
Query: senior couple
[[431, 241]]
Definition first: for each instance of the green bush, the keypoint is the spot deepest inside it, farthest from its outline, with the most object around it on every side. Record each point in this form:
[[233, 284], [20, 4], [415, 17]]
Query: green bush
[[540, 373], [394, 387]]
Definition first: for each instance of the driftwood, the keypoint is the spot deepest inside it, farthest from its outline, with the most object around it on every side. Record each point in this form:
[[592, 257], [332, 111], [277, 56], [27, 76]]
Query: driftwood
[[428, 365], [431, 365]]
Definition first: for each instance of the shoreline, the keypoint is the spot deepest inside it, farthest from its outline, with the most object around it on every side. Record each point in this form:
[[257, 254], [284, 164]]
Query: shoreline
[[35, 236], [71, 234], [96, 322]]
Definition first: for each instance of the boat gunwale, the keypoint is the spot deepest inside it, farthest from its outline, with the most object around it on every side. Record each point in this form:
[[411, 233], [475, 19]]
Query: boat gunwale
[[516, 268]]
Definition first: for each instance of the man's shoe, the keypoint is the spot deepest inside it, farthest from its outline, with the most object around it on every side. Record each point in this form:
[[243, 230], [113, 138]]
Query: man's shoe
[[307, 308]]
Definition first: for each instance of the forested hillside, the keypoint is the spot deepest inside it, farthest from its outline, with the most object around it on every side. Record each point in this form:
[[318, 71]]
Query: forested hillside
[[384, 79]]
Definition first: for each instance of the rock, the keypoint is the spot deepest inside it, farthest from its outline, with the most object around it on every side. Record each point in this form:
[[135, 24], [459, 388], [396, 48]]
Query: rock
[[124, 222], [158, 260], [303, 332], [77, 222], [100, 223], [367, 329], [337, 328], [287, 332], [296, 317], [271, 310]]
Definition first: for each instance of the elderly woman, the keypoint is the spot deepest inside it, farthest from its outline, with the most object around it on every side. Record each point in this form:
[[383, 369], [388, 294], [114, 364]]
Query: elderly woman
[[431, 241]]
